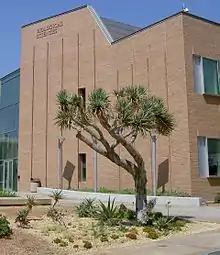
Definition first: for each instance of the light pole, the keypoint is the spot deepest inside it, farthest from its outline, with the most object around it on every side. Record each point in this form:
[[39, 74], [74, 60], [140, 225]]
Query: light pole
[[95, 167], [60, 142], [154, 171]]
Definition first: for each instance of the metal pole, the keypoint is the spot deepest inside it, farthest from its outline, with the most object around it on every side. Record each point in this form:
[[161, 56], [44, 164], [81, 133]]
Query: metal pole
[[59, 163], [95, 168], [154, 171]]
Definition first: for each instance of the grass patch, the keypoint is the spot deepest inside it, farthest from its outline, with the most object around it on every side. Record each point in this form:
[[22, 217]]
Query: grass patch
[[173, 193], [4, 193]]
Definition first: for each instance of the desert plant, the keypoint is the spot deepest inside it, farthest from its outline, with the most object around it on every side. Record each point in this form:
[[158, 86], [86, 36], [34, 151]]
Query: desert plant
[[109, 213], [217, 198], [114, 236], [126, 213], [30, 202], [22, 218], [57, 240], [104, 239], [57, 216], [163, 223], [5, 229], [153, 235], [131, 236], [57, 196], [87, 208], [63, 243], [98, 229], [133, 112], [76, 246], [134, 231], [87, 245]]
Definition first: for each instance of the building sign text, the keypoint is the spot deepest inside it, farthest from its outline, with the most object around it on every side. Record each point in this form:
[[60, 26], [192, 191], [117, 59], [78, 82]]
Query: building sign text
[[49, 30]]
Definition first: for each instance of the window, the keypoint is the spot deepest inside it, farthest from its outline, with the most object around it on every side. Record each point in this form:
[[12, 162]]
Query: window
[[82, 93], [82, 167], [209, 157], [206, 75]]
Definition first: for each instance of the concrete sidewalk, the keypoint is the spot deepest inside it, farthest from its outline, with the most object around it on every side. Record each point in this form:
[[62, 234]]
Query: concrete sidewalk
[[198, 244]]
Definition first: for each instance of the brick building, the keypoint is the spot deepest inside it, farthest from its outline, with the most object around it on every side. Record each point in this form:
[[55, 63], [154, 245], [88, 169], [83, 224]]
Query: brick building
[[176, 59]]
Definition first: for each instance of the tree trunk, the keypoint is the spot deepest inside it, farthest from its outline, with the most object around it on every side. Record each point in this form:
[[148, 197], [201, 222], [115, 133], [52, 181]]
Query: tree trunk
[[141, 194]]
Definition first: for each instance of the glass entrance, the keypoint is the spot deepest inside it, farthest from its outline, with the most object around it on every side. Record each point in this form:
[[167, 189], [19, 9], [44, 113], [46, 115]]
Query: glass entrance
[[7, 175]]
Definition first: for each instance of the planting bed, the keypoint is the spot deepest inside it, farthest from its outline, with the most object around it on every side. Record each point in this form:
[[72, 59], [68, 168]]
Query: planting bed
[[52, 238]]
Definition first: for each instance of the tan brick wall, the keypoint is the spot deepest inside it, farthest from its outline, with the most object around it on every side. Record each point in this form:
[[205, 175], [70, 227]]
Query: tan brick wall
[[153, 57], [201, 38]]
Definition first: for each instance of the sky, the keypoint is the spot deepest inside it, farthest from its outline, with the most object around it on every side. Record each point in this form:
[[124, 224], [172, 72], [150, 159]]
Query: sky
[[14, 14]]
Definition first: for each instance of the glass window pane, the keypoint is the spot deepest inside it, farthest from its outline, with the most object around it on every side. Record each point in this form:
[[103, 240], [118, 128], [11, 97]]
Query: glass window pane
[[82, 167], [214, 157], [210, 76]]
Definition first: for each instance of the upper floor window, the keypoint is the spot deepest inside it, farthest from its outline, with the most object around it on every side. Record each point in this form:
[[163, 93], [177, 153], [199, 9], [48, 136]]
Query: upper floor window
[[82, 93], [209, 157], [206, 75]]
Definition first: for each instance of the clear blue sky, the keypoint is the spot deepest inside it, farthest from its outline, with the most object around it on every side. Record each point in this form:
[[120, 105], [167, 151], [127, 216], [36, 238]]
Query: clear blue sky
[[14, 14]]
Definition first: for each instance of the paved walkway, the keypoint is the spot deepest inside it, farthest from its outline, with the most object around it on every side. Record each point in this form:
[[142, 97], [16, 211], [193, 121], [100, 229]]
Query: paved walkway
[[198, 244], [202, 213]]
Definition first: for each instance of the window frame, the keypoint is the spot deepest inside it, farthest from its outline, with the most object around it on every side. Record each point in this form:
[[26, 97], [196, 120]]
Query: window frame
[[199, 78], [203, 157], [82, 167]]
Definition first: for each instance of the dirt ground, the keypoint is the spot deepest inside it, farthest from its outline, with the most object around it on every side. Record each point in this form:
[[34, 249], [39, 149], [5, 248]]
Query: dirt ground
[[25, 242], [21, 242]]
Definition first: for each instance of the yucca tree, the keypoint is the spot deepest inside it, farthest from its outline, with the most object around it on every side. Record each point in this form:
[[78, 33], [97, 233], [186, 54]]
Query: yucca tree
[[133, 112]]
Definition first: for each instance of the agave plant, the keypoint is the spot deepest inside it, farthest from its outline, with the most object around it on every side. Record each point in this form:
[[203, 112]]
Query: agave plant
[[22, 217], [110, 213], [30, 202], [87, 208], [57, 196]]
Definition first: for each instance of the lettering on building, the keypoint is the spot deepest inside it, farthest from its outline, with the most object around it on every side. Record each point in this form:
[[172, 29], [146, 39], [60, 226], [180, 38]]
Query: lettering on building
[[49, 30]]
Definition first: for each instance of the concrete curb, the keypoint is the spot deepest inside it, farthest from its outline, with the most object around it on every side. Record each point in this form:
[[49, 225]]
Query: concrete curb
[[123, 198], [20, 201]]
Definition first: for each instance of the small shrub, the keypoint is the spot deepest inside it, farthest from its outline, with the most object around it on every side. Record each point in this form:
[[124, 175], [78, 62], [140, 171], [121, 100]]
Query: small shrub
[[158, 215], [98, 229], [153, 235], [123, 228], [134, 231], [177, 225], [68, 236], [104, 239], [63, 243], [5, 229], [114, 236], [56, 215], [87, 208], [148, 229], [57, 240], [76, 246], [217, 198], [126, 213], [22, 218], [131, 236], [87, 245]]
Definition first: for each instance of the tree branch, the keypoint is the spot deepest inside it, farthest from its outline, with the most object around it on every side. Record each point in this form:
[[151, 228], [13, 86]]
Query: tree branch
[[129, 147], [111, 155], [92, 145]]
